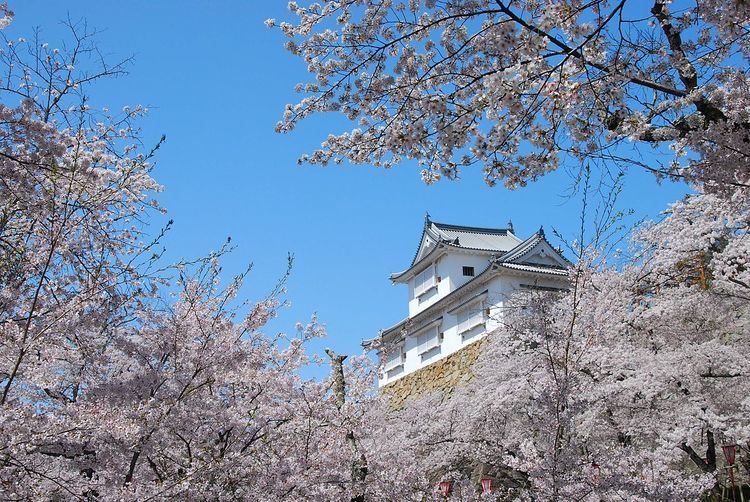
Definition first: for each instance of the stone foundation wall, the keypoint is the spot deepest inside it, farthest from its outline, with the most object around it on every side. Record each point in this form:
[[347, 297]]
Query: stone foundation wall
[[443, 375]]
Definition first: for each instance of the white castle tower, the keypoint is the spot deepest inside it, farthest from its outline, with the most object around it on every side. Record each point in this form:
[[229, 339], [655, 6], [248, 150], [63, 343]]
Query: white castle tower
[[458, 280]]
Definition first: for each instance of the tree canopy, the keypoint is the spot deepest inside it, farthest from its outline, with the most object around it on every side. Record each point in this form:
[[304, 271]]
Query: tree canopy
[[518, 87]]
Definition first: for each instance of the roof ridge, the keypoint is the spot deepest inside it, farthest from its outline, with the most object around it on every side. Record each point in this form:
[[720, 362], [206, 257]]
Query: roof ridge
[[449, 226]]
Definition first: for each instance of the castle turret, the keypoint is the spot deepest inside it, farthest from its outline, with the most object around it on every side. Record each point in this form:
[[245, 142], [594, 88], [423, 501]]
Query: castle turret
[[457, 283]]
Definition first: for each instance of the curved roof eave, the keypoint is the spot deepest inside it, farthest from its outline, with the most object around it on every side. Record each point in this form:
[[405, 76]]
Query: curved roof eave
[[522, 249], [406, 274]]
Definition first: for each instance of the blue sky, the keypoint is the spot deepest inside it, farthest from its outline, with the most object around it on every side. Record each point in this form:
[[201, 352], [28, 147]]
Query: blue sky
[[216, 80]]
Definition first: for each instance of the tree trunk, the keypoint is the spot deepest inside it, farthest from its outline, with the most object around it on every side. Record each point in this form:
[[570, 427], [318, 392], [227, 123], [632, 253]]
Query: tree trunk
[[359, 465]]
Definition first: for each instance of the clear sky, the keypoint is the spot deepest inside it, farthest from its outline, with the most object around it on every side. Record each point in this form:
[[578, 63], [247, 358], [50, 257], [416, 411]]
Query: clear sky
[[216, 80]]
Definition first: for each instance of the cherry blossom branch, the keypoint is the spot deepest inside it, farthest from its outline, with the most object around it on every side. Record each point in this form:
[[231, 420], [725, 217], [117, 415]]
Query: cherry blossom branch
[[576, 53]]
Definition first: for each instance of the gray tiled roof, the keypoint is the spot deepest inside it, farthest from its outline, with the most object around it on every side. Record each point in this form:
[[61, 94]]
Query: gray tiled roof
[[490, 239], [485, 239]]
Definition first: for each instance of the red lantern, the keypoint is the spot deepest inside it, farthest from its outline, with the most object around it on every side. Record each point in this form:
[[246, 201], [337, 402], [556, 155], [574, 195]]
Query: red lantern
[[445, 488], [730, 453], [486, 485]]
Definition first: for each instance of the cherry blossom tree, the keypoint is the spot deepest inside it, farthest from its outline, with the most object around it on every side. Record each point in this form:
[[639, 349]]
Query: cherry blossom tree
[[73, 191], [122, 378], [518, 87]]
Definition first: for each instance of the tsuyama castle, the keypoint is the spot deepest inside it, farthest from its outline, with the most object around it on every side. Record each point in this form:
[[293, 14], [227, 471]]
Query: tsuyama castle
[[458, 280]]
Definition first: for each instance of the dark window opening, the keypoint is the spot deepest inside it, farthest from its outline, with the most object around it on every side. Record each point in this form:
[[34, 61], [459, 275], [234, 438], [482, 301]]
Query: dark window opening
[[469, 271]]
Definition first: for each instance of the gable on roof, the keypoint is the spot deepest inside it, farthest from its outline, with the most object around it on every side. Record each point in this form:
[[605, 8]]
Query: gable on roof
[[536, 250], [427, 243]]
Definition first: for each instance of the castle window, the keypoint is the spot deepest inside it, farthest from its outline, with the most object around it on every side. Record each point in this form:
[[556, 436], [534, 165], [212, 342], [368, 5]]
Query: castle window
[[470, 318], [424, 281], [469, 271], [428, 340], [394, 359]]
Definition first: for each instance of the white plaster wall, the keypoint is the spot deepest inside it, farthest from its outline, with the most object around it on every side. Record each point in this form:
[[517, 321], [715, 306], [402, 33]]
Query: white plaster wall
[[453, 264]]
